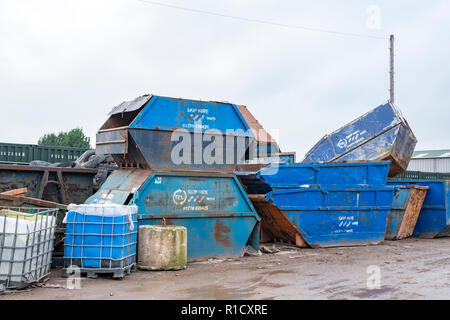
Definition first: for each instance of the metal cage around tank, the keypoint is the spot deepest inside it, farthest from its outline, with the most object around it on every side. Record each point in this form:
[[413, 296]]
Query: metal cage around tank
[[100, 239], [26, 245]]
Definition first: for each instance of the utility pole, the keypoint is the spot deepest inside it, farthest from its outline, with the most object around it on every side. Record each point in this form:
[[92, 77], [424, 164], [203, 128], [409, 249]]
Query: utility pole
[[392, 69]]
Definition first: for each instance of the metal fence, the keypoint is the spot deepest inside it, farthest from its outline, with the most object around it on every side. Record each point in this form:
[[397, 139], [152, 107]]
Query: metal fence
[[25, 153], [26, 245], [424, 175]]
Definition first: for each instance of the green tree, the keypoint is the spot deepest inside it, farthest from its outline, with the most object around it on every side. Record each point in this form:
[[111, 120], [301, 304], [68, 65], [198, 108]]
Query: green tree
[[74, 138]]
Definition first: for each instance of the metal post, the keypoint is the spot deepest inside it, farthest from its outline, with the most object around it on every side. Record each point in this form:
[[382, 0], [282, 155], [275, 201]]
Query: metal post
[[392, 69]]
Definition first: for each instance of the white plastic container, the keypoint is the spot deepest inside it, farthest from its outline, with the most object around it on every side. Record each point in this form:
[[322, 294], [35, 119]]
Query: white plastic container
[[26, 245]]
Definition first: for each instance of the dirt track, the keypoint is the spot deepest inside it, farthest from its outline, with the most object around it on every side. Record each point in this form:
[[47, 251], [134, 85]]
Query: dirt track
[[409, 269]]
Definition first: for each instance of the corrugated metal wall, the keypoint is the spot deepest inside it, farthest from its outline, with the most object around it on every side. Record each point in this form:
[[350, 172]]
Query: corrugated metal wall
[[25, 153], [430, 165]]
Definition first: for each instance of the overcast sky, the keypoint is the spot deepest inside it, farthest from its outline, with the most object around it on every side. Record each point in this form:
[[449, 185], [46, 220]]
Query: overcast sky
[[66, 63]]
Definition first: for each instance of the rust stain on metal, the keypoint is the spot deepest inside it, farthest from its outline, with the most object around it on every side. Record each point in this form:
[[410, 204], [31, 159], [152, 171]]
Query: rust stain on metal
[[20, 200], [222, 234], [275, 226], [61, 185], [412, 211], [258, 130], [251, 167], [166, 222], [15, 167]]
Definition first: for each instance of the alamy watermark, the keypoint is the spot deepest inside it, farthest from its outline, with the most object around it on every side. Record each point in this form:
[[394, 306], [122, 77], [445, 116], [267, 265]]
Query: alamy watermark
[[213, 147], [373, 17], [74, 278], [374, 278]]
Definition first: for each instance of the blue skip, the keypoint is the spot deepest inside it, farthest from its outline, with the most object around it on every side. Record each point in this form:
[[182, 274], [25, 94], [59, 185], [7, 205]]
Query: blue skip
[[336, 174], [336, 217], [380, 134], [322, 205], [176, 158], [218, 215], [434, 218], [162, 133]]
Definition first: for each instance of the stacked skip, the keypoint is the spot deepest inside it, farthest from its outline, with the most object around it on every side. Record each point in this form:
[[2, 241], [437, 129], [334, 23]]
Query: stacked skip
[[322, 205], [176, 161]]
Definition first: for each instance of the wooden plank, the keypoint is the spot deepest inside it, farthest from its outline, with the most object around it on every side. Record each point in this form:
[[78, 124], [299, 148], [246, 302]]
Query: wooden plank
[[16, 192], [257, 197], [19, 200], [43, 184], [61, 187], [412, 212], [275, 226]]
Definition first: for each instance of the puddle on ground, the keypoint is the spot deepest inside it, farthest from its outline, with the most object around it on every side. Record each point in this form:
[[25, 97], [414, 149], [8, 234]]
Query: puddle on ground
[[370, 294], [265, 281], [312, 275], [316, 288], [213, 292], [274, 272], [273, 285], [334, 290], [333, 283]]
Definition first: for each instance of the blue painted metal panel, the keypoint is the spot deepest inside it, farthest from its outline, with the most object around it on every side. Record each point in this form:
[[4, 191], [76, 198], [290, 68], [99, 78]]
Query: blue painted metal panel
[[397, 213], [329, 217], [380, 146], [213, 207], [161, 133], [339, 174], [119, 186], [434, 218], [163, 113], [381, 133], [158, 150], [286, 158], [277, 158], [328, 198], [264, 149], [210, 237], [186, 193]]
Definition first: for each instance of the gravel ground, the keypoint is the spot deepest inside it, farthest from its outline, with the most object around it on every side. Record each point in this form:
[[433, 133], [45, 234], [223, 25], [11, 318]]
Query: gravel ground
[[408, 269]]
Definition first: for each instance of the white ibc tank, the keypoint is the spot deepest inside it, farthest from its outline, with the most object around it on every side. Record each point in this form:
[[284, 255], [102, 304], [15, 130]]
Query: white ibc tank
[[27, 246]]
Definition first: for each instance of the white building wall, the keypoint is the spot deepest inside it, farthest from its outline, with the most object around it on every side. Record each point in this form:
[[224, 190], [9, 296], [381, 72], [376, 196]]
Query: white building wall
[[441, 165]]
